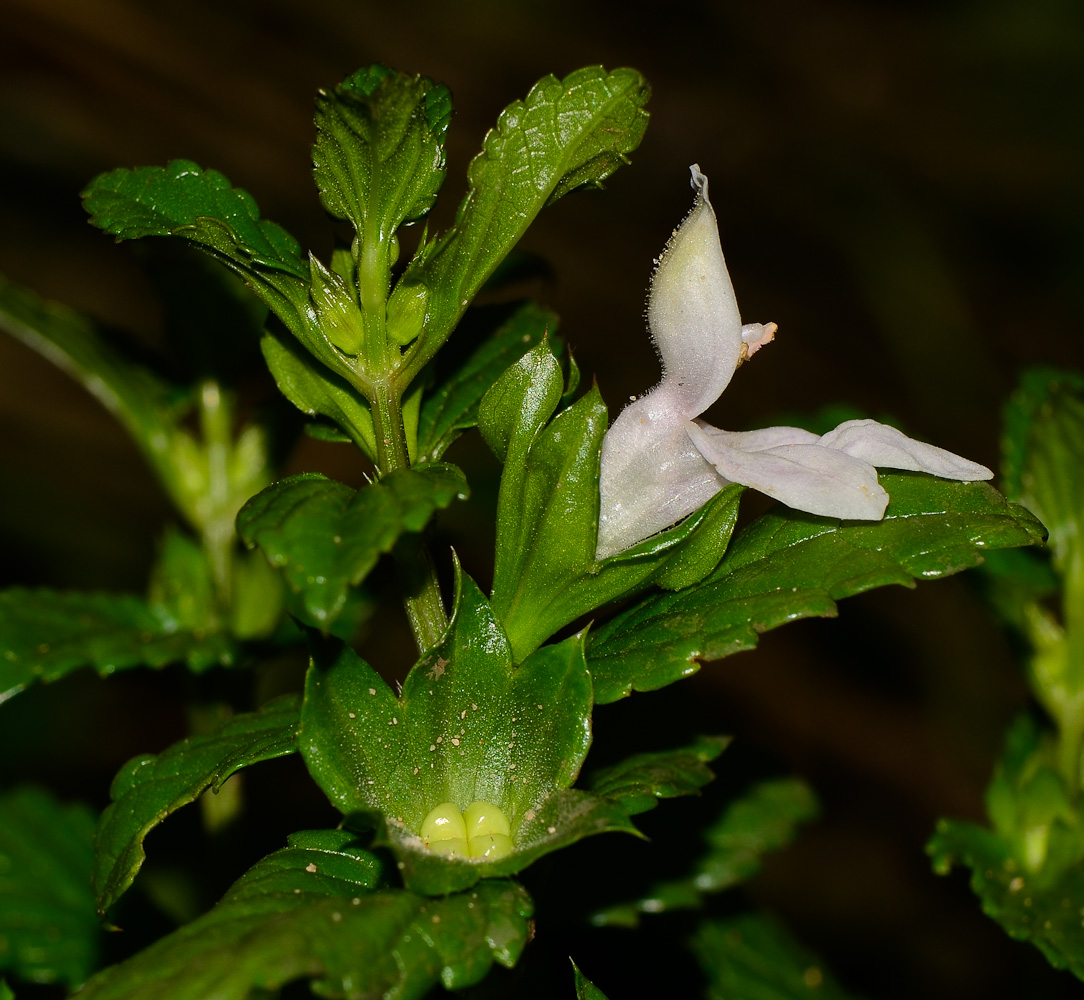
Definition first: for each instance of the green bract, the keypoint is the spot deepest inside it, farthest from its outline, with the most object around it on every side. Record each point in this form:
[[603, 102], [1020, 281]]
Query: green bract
[[468, 726]]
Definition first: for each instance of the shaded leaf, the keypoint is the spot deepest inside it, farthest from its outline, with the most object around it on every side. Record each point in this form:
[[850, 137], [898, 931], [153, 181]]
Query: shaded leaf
[[638, 782], [316, 390], [755, 958], [566, 134], [49, 932], [585, 989], [467, 727], [46, 634], [1026, 906], [326, 537], [137, 397], [315, 911], [149, 788], [788, 565], [1043, 451], [764, 819], [453, 406]]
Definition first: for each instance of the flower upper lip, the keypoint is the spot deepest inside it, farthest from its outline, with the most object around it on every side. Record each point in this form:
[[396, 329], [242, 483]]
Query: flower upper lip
[[659, 463]]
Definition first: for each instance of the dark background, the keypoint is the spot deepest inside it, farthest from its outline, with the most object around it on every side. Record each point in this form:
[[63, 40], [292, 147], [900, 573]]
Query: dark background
[[899, 186]]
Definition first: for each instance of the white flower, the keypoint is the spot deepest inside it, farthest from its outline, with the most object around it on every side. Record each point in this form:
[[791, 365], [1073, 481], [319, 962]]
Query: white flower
[[659, 463]]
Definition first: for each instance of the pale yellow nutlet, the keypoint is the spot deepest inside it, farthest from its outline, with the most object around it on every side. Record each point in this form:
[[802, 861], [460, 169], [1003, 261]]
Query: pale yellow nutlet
[[481, 832]]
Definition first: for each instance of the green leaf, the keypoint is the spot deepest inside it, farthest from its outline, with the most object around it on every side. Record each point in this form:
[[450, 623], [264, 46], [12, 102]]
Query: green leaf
[[201, 208], [545, 575], [46, 634], [755, 958], [566, 134], [314, 911], [1047, 915], [466, 728], [326, 537], [585, 989], [149, 788], [49, 932], [453, 407], [182, 590], [1043, 453], [315, 390], [638, 782], [764, 819], [5, 991], [379, 152], [788, 565], [143, 403], [1031, 807]]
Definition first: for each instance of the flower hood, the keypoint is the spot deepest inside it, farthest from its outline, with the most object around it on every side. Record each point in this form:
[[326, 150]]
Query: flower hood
[[660, 463]]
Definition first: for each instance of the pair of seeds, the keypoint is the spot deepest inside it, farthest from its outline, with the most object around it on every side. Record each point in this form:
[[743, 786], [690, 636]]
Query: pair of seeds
[[480, 831]]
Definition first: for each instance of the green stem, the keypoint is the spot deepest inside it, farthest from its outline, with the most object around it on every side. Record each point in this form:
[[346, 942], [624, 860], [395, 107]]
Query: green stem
[[421, 591], [216, 421]]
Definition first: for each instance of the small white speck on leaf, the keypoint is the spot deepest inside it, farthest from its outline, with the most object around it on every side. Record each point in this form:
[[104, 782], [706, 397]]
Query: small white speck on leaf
[[310, 867]]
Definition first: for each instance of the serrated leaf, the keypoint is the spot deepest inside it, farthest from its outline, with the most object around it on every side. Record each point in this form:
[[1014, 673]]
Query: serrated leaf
[[46, 634], [764, 819], [788, 565], [314, 911], [379, 153], [585, 989], [1047, 915], [566, 134], [149, 788], [453, 406], [467, 727], [638, 782], [545, 575], [49, 932], [326, 537], [201, 207], [755, 958]]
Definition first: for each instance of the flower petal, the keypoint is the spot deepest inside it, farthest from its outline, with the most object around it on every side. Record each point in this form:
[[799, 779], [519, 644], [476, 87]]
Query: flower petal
[[806, 476], [888, 448], [692, 312], [650, 476]]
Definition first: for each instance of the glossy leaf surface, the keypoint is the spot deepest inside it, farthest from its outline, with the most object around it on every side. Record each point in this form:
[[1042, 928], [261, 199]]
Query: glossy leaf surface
[[148, 789], [317, 391], [326, 537], [788, 565], [545, 574], [201, 207], [764, 819], [453, 406], [566, 134], [754, 958], [315, 910], [49, 932], [467, 727], [46, 634], [379, 152]]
